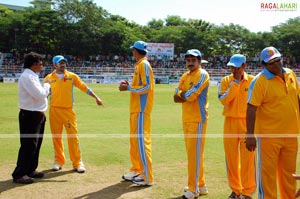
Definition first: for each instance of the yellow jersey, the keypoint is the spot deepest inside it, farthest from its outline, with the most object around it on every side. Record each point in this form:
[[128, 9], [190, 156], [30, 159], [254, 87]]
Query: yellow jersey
[[233, 95], [61, 94], [276, 101], [195, 85], [142, 88]]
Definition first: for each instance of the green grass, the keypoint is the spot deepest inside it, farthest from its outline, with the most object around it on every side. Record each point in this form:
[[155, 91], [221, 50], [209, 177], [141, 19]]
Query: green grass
[[104, 138]]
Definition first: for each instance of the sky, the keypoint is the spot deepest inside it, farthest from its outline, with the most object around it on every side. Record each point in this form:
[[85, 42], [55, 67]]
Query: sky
[[247, 13]]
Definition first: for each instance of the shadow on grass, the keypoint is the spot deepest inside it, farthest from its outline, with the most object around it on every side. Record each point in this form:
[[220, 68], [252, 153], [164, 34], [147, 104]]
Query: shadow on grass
[[180, 197], [113, 191], [53, 174], [9, 184]]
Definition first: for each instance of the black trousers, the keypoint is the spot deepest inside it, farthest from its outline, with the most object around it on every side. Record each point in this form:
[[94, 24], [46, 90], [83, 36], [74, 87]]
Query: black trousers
[[32, 125]]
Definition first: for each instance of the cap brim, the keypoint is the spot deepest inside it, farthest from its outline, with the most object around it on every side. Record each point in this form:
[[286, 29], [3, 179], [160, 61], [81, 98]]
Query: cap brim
[[233, 64], [62, 59], [145, 50], [193, 54], [271, 58]]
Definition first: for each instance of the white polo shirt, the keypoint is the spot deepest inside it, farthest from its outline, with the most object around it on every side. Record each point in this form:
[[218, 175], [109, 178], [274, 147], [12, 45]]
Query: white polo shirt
[[32, 95]]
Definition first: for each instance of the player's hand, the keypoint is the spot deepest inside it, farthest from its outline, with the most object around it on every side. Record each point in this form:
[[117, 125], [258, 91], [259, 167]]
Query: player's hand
[[250, 142], [123, 86], [297, 177], [178, 99], [99, 101], [125, 82], [182, 95]]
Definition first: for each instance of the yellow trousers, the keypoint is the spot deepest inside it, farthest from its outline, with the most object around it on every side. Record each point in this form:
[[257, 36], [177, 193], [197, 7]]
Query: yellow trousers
[[140, 145], [194, 136], [240, 163], [59, 118], [276, 164]]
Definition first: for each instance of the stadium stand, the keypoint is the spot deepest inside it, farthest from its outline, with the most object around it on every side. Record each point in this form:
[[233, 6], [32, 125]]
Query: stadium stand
[[111, 69]]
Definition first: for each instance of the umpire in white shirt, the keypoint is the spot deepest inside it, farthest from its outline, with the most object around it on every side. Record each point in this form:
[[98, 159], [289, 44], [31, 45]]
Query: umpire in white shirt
[[32, 103]]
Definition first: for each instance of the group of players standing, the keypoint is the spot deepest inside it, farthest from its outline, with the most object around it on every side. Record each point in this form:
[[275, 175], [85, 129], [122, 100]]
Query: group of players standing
[[261, 114]]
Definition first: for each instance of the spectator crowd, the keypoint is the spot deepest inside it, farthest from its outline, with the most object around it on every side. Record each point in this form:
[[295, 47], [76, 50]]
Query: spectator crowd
[[9, 63]]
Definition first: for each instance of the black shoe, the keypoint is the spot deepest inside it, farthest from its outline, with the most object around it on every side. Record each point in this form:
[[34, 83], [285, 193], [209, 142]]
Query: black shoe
[[245, 197], [23, 180], [36, 174], [233, 196]]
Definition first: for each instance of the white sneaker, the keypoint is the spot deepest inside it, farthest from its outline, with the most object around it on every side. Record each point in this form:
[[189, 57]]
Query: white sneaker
[[138, 178], [129, 176], [80, 169], [142, 183], [189, 195], [56, 167], [202, 190], [186, 189]]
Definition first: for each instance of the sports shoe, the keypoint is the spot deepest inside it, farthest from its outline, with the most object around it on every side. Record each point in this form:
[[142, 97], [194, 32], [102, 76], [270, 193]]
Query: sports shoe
[[244, 197], [189, 195], [233, 196], [142, 183], [139, 180], [36, 174], [129, 176], [80, 169], [23, 180], [202, 190], [56, 167]]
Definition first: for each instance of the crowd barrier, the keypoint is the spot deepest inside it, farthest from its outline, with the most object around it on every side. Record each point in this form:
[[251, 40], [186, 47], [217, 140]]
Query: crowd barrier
[[9, 80], [113, 75]]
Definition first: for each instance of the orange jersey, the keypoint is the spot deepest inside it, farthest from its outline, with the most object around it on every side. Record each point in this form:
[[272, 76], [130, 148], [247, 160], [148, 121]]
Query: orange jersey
[[276, 101], [233, 95], [142, 88], [195, 85], [61, 94]]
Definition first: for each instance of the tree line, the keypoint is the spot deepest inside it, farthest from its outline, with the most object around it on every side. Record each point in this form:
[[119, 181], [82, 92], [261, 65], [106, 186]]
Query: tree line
[[80, 27]]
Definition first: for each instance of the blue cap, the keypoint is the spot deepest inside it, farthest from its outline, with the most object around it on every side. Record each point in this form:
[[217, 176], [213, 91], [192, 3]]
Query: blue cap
[[58, 58], [269, 53], [140, 45], [193, 52], [236, 60]]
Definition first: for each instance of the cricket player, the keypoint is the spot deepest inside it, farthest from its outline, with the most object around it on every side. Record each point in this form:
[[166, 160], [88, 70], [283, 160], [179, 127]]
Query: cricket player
[[192, 92], [273, 115], [141, 103], [62, 114], [240, 163]]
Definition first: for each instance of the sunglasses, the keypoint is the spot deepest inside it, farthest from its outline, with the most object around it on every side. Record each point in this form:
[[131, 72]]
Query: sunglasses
[[277, 59], [62, 62]]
